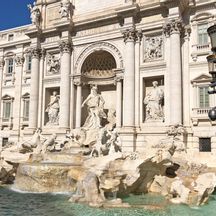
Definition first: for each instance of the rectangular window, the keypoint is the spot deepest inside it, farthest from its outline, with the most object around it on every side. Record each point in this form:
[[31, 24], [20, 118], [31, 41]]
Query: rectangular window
[[205, 144], [6, 110], [203, 97], [29, 63], [10, 37], [202, 34], [26, 110], [10, 65], [4, 141]]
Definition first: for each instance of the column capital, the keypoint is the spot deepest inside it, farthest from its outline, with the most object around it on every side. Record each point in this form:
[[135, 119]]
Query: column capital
[[19, 60], [186, 32], [35, 52], [77, 80], [65, 46], [132, 34], [174, 26], [2, 62]]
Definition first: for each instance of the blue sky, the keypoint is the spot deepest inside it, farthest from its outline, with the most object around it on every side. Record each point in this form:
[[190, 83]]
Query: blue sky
[[14, 13]]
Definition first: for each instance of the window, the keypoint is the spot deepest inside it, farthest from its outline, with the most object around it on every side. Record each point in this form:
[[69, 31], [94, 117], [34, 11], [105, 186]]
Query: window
[[28, 62], [203, 97], [202, 34], [6, 110], [205, 144], [4, 141], [10, 37], [26, 109], [10, 65]]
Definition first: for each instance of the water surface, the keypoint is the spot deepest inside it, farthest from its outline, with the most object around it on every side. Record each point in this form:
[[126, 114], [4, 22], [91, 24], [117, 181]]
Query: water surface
[[28, 204]]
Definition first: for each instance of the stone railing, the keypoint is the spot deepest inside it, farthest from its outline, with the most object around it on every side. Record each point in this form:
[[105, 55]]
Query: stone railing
[[199, 50], [6, 122], [202, 112]]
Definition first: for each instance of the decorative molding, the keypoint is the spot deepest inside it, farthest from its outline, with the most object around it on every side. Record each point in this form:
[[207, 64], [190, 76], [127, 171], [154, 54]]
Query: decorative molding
[[65, 46], [174, 26], [132, 34], [19, 60], [104, 46], [35, 52]]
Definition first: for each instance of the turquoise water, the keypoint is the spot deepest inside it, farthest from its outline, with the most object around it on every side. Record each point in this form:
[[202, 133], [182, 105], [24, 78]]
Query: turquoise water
[[27, 204]]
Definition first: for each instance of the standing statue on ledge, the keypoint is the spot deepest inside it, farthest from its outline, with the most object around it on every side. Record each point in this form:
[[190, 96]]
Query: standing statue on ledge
[[65, 8], [154, 101], [95, 104], [35, 14], [53, 109]]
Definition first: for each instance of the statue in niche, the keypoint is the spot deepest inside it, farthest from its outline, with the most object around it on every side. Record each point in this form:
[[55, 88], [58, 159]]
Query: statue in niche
[[154, 101], [95, 104], [65, 9], [53, 109], [35, 14], [53, 65], [153, 48]]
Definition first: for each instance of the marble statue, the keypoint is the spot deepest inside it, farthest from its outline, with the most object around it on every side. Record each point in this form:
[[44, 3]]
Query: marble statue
[[154, 103], [95, 104], [65, 9], [53, 65], [53, 109], [35, 14], [33, 143], [49, 144], [114, 142]]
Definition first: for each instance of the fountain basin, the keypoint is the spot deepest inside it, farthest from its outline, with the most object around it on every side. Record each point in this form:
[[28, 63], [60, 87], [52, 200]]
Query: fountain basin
[[45, 177]]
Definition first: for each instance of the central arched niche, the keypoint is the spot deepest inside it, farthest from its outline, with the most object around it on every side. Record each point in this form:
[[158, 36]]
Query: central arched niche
[[98, 69], [99, 64]]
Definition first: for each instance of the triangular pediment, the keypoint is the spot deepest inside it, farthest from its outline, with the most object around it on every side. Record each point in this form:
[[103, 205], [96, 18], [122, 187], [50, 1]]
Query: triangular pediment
[[202, 78], [7, 97], [26, 95]]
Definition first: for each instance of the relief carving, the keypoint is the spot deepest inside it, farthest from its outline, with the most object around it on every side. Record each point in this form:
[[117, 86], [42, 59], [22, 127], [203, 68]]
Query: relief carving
[[153, 48], [53, 64]]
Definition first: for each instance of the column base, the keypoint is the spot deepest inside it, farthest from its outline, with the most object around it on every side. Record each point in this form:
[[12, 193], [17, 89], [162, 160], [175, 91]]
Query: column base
[[128, 139]]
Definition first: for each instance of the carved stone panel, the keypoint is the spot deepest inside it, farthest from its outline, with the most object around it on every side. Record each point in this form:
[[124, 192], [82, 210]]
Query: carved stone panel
[[53, 64], [153, 48]]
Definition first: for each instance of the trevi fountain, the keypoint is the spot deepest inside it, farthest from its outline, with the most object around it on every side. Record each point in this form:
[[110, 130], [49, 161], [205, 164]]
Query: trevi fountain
[[88, 173]]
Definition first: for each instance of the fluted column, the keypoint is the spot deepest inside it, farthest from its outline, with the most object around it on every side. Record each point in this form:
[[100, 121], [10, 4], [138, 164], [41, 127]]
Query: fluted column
[[118, 82], [34, 89], [64, 118], [78, 84], [186, 77], [19, 60], [129, 78], [173, 30]]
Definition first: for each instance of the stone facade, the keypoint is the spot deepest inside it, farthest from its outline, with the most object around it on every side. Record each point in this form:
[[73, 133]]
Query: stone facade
[[122, 47]]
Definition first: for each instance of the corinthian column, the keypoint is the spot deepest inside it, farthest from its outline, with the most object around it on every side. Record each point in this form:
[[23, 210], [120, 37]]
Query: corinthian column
[[129, 78], [34, 89], [19, 60], [173, 30], [64, 118]]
